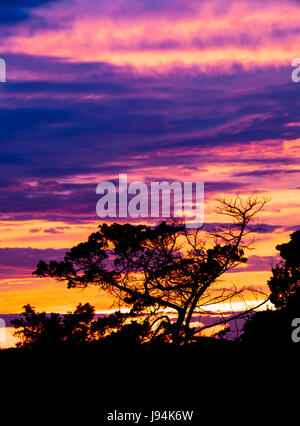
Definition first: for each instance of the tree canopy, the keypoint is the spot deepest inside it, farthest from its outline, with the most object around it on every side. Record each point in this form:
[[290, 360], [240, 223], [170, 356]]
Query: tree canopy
[[285, 281], [276, 326], [38, 329], [164, 274]]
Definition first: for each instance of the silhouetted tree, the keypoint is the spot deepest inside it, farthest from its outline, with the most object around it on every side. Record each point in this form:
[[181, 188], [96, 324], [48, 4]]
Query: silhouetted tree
[[79, 327], [268, 327], [285, 281], [163, 269], [37, 328], [275, 326]]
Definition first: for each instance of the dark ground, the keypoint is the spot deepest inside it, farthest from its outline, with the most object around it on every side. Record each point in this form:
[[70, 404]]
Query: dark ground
[[225, 383]]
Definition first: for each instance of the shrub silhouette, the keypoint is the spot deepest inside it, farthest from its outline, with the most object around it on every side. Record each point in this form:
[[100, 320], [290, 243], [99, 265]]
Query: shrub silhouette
[[79, 327]]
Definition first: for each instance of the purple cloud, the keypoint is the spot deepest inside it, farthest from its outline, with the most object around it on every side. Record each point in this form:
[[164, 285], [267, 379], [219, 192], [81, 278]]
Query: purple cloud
[[18, 261]]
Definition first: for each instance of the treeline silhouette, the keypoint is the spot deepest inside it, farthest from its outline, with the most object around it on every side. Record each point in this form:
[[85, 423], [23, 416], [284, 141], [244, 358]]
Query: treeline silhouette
[[164, 275], [79, 327]]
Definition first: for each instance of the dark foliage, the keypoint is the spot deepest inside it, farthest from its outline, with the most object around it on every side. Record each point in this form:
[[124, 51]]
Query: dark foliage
[[274, 327], [285, 282], [154, 271], [79, 327]]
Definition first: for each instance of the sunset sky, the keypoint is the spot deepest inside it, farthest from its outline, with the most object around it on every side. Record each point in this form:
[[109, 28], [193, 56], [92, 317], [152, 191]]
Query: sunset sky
[[158, 89]]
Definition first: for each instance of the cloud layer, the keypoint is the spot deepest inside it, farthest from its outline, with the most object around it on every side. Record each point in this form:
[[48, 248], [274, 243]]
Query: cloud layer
[[160, 90]]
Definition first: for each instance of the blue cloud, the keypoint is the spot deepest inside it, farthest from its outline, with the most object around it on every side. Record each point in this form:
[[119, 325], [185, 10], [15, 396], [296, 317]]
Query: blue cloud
[[15, 11], [94, 118]]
